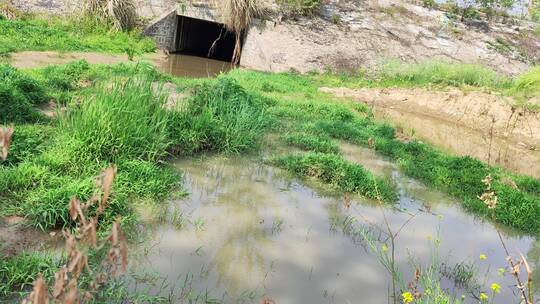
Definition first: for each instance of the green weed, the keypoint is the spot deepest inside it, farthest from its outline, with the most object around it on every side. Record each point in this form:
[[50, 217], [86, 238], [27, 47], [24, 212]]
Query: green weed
[[438, 73], [334, 170]]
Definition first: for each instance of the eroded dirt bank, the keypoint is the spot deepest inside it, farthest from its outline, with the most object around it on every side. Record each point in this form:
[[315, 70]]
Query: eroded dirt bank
[[477, 124]]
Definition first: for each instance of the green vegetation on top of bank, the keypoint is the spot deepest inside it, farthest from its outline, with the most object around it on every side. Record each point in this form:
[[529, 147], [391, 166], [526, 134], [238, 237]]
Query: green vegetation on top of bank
[[35, 33], [440, 75]]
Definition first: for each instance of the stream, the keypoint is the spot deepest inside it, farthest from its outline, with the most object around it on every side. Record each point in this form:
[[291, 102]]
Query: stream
[[248, 231]]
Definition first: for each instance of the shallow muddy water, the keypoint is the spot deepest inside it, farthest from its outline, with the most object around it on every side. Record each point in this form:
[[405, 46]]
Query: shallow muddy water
[[461, 140], [174, 64], [250, 231]]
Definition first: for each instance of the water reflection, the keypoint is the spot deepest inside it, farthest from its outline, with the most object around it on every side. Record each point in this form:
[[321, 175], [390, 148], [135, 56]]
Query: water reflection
[[265, 234], [190, 66]]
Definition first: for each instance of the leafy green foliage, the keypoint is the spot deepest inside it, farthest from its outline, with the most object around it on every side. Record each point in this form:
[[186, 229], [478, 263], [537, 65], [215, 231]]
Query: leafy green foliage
[[334, 170]]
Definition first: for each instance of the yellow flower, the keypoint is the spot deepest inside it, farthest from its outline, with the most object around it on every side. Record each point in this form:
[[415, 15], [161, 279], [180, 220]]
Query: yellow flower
[[483, 257], [384, 248], [407, 297], [501, 271], [483, 296], [496, 288]]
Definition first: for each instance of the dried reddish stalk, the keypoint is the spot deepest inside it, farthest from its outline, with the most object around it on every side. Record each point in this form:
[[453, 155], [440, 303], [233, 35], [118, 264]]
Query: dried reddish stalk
[[5, 141], [66, 287]]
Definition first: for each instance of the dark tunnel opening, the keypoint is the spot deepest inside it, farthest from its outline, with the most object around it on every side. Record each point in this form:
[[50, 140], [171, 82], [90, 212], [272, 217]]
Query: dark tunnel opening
[[195, 37]]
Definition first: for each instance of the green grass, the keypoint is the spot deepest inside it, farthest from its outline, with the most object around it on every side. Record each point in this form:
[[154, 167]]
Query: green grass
[[300, 108], [334, 170], [439, 75], [300, 7], [19, 272], [53, 33], [311, 142], [126, 121], [123, 119], [219, 117]]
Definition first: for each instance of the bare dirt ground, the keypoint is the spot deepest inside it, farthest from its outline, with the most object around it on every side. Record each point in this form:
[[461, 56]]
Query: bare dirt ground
[[35, 59], [15, 238], [477, 124]]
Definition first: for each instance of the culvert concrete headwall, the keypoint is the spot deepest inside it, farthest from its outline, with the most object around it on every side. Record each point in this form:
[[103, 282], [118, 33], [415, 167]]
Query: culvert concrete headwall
[[194, 31]]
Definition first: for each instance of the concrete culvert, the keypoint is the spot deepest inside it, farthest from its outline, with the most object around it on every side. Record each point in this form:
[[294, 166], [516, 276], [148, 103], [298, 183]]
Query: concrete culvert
[[204, 38]]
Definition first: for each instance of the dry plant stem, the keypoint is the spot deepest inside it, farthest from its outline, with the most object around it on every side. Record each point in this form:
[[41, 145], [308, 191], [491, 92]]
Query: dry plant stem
[[515, 272], [66, 284], [392, 237], [5, 141], [489, 198]]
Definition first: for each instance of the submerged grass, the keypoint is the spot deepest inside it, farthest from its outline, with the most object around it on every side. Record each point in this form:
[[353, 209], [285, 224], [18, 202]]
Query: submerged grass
[[311, 142], [334, 170]]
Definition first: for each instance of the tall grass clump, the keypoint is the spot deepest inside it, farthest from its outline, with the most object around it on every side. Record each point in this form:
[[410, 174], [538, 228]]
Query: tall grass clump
[[125, 124], [452, 74], [528, 84], [334, 170], [121, 14], [221, 116], [311, 142], [127, 121], [237, 16]]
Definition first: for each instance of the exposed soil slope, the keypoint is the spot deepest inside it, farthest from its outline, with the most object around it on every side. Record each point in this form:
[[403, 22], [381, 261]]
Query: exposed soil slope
[[478, 124]]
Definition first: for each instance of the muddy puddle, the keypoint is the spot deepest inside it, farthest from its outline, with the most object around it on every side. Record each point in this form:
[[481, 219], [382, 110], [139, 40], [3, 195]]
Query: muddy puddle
[[249, 232], [174, 64], [457, 139]]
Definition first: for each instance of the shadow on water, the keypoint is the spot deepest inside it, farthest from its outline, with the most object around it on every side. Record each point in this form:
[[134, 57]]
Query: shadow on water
[[250, 231]]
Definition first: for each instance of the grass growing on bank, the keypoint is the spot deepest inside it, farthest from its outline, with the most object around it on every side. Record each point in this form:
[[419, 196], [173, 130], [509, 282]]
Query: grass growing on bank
[[334, 170], [132, 125], [440, 74], [35, 33], [300, 107]]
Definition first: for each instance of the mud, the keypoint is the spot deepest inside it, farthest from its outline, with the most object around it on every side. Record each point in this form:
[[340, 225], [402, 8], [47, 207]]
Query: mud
[[15, 237], [480, 125], [174, 64], [248, 232]]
